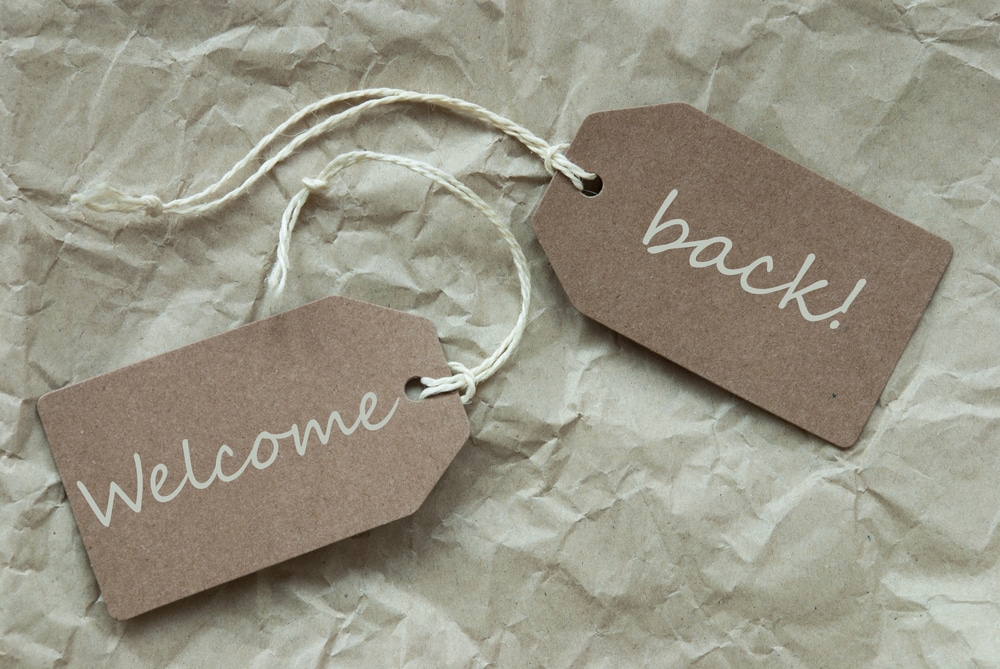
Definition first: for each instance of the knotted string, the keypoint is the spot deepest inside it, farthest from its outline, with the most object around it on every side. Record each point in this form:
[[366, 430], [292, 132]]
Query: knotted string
[[108, 199], [105, 198]]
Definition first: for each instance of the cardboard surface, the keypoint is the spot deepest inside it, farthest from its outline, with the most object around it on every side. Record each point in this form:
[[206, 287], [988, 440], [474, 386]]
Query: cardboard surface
[[686, 249], [230, 455], [611, 509]]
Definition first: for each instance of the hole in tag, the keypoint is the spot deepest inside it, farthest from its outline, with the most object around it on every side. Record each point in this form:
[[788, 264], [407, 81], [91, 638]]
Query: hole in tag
[[592, 187], [413, 388]]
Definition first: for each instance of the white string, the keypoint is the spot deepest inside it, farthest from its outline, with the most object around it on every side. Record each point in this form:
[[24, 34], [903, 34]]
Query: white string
[[464, 379], [108, 199], [105, 198]]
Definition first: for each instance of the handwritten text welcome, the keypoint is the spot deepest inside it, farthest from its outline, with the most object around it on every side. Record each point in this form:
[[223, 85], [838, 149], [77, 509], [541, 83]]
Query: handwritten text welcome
[[158, 475]]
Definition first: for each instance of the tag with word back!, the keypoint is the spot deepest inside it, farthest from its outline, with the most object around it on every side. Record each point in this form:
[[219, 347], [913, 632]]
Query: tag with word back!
[[229, 455], [740, 265]]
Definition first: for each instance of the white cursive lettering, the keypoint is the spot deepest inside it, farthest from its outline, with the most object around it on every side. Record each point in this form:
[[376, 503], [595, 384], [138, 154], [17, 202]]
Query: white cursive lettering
[[701, 248], [158, 474]]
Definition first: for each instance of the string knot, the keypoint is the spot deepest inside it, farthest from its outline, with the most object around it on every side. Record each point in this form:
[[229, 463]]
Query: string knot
[[103, 197], [549, 155], [315, 185], [463, 379], [556, 161], [152, 205]]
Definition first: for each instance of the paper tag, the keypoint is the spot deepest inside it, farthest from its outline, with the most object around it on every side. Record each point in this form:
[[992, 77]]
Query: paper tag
[[740, 265], [227, 456]]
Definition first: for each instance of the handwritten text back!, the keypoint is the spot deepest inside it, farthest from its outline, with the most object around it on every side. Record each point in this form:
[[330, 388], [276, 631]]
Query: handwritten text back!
[[792, 289]]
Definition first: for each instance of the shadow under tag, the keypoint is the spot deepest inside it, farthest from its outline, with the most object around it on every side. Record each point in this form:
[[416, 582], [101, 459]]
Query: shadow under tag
[[740, 265], [229, 455]]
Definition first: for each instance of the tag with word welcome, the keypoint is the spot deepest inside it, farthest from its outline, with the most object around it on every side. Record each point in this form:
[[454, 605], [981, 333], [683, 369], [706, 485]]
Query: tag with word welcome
[[739, 265], [252, 447]]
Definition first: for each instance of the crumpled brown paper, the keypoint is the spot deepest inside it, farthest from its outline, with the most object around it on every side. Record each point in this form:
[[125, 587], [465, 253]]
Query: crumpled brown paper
[[611, 508]]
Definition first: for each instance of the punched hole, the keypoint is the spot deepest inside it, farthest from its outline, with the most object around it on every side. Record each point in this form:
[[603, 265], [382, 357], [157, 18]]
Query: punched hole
[[413, 388], [592, 187]]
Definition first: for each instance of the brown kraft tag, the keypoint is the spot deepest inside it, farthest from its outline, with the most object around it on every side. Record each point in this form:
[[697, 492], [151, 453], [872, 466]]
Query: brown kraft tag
[[740, 265], [252, 447]]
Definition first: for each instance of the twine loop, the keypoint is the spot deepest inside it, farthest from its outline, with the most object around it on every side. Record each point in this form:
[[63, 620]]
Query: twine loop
[[105, 198], [464, 379]]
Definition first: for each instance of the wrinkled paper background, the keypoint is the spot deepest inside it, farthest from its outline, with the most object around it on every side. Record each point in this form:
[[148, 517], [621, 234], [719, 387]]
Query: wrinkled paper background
[[611, 508]]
